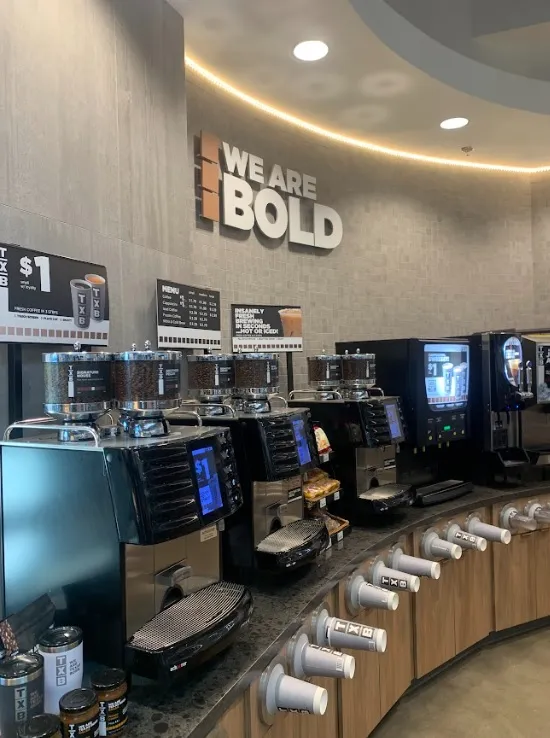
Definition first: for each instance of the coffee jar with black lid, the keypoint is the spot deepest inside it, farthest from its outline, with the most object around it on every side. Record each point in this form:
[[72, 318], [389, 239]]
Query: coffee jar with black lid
[[211, 376], [358, 370], [40, 726], [77, 384], [79, 714], [21, 691], [324, 371], [256, 375], [146, 381]]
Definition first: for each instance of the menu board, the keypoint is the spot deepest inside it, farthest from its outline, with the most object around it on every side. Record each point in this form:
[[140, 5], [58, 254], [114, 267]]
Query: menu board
[[187, 317], [51, 299], [273, 327], [543, 372]]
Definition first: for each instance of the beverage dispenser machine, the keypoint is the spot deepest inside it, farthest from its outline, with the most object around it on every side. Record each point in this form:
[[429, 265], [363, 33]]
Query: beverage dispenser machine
[[432, 379], [273, 447]]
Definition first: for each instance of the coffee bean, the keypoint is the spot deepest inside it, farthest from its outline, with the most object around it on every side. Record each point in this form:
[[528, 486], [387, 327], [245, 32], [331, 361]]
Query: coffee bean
[[143, 381], [256, 372], [78, 382], [211, 373], [358, 368], [324, 369]]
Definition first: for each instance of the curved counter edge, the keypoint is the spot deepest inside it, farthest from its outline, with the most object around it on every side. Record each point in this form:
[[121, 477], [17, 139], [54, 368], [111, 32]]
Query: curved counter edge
[[194, 708]]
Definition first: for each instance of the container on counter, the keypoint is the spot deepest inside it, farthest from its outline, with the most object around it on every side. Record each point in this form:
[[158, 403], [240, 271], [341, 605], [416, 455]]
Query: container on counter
[[41, 726], [111, 689], [256, 375], [77, 384], [21, 691], [211, 376], [79, 714], [324, 371], [62, 651], [147, 380], [358, 370]]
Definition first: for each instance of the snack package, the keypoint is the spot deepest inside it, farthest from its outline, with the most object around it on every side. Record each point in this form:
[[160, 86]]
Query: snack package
[[323, 445]]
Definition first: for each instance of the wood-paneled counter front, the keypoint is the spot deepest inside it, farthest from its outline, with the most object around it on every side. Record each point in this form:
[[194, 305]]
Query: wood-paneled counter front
[[476, 598]]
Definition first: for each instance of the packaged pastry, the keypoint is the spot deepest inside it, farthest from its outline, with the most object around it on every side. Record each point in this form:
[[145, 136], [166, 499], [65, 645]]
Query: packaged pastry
[[320, 488], [323, 445], [314, 475]]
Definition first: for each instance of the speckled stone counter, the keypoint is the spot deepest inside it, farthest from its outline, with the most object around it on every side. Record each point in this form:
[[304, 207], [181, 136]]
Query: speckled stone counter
[[192, 709]]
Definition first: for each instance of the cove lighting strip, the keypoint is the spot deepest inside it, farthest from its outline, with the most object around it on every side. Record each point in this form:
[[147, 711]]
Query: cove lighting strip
[[358, 143]]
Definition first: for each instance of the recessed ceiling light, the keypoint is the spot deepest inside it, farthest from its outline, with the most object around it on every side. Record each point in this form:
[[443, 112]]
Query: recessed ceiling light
[[452, 123], [310, 50]]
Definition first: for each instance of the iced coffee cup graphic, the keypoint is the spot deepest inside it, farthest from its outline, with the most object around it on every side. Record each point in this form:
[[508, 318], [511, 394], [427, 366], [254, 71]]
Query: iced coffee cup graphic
[[98, 285], [291, 319], [81, 296]]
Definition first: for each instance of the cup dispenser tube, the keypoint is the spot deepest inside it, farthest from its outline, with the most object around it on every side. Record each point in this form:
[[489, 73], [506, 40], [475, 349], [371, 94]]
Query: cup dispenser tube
[[434, 547], [307, 660], [490, 532], [401, 561]]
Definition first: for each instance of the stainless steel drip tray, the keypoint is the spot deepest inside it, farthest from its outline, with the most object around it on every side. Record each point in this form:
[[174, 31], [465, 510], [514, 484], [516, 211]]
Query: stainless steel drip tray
[[189, 632], [293, 545]]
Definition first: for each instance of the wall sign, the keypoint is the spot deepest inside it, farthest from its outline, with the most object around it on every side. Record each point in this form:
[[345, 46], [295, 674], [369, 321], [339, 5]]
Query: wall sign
[[187, 317], [241, 191], [261, 327], [51, 299]]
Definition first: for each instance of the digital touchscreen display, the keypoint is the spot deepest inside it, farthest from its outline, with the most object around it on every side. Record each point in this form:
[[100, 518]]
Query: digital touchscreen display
[[210, 496], [304, 453], [513, 358], [446, 373], [394, 421]]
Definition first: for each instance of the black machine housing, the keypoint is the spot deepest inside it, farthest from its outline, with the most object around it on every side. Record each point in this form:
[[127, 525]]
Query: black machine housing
[[271, 448], [432, 377], [365, 435]]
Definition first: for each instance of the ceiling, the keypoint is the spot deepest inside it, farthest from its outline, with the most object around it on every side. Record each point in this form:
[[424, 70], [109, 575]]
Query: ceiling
[[392, 92]]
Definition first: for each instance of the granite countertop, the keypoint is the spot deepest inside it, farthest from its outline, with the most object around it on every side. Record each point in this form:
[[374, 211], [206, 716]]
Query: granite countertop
[[191, 710]]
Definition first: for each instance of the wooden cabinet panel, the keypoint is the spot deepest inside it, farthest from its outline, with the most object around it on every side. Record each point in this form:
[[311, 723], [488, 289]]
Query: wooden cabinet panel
[[397, 664], [473, 597], [434, 621], [542, 572], [514, 581], [360, 696], [232, 724]]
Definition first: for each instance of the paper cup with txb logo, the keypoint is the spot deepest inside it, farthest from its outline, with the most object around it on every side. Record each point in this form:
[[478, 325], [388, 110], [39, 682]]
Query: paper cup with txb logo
[[81, 295], [98, 285], [61, 649]]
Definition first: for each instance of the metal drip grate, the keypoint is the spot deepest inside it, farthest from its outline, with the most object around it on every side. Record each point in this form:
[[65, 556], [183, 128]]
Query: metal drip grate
[[188, 617], [291, 536]]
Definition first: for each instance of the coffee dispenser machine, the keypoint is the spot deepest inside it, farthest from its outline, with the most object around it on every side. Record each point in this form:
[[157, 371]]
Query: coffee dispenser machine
[[536, 416], [364, 428], [126, 528], [273, 447], [432, 379], [501, 389]]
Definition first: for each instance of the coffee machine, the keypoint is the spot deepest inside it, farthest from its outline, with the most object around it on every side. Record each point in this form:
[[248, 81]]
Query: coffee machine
[[273, 447], [364, 428], [121, 530], [432, 379], [536, 416]]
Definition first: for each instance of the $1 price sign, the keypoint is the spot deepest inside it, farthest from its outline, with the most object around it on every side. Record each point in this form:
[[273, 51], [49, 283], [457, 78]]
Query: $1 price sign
[[46, 298], [43, 265]]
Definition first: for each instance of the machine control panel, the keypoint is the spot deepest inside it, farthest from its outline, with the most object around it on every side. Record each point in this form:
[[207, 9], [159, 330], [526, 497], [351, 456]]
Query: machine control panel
[[288, 444], [383, 421], [445, 427]]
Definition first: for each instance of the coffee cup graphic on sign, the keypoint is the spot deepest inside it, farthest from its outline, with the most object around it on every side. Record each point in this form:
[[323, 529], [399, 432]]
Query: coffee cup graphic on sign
[[291, 320], [81, 294], [98, 284]]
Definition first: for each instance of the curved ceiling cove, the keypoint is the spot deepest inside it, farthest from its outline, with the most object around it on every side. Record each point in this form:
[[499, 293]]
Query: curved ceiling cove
[[362, 93]]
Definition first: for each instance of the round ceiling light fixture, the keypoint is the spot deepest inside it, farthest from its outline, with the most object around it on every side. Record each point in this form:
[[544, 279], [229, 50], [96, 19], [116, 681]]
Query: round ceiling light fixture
[[450, 124], [310, 50]]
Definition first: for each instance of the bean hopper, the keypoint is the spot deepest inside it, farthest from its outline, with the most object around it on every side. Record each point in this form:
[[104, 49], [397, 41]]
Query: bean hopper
[[146, 388], [77, 390], [273, 446], [358, 375], [211, 379]]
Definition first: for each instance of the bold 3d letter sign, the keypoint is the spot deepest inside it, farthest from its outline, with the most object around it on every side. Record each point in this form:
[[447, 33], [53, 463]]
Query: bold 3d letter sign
[[278, 208]]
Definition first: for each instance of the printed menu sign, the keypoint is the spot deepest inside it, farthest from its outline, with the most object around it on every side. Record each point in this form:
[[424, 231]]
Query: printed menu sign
[[187, 317], [273, 327], [543, 372], [51, 299]]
